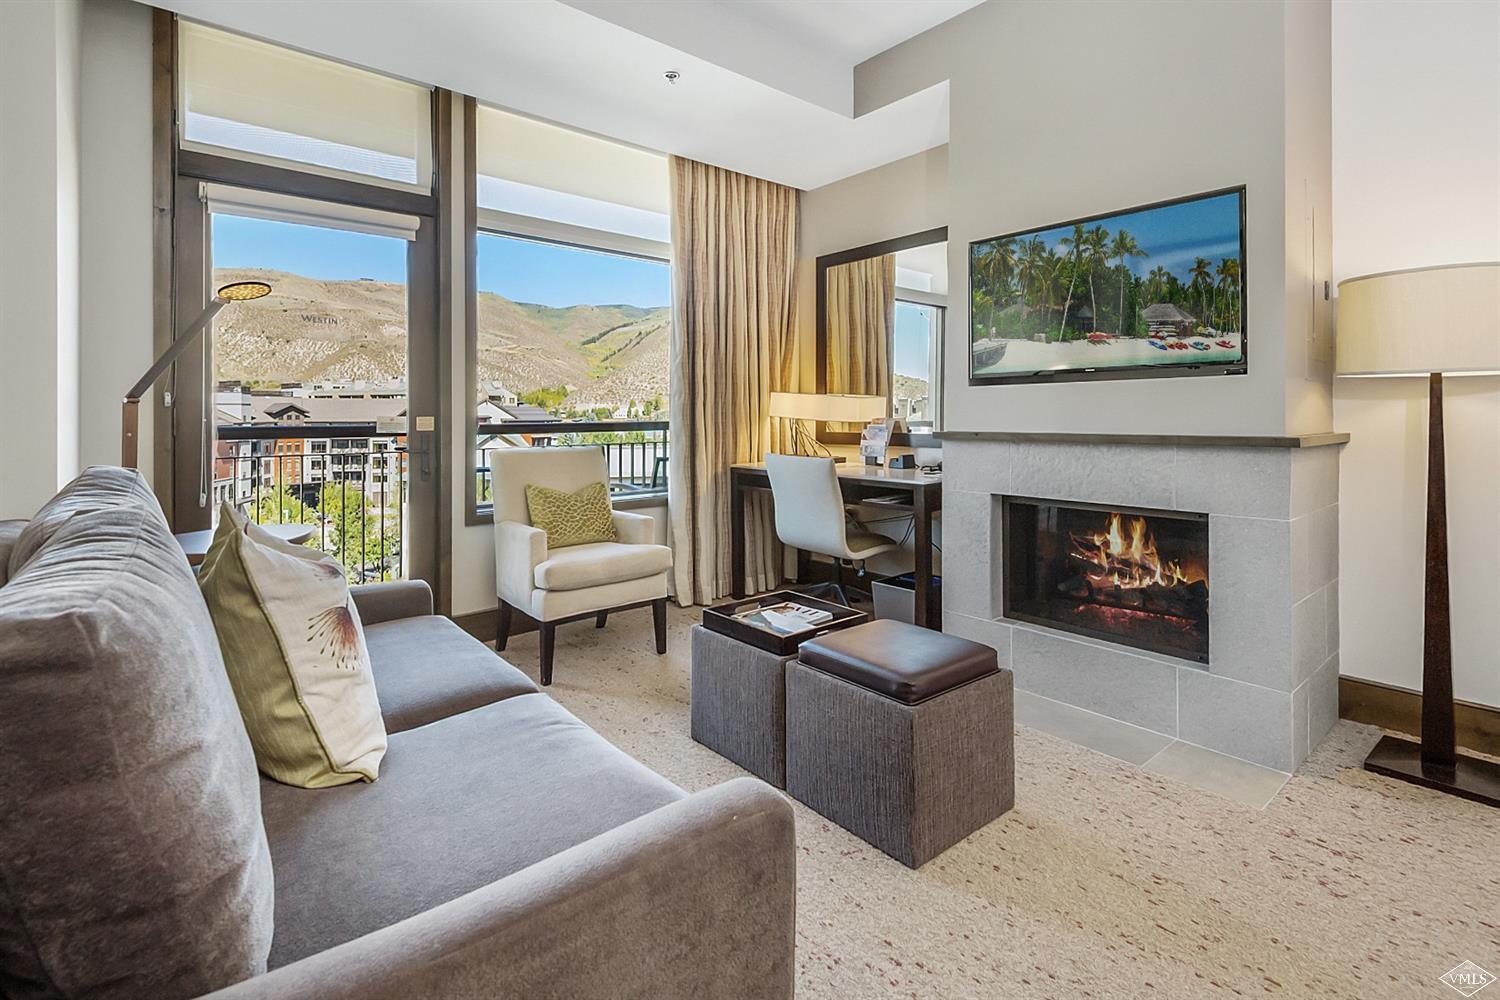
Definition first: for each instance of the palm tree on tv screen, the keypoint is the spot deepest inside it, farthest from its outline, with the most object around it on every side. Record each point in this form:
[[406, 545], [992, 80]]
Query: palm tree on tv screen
[[1124, 246], [1096, 253], [1229, 280], [1202, 282], [1076, 241]]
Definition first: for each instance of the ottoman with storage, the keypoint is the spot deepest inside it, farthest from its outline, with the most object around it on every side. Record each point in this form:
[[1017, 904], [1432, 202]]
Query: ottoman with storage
[[739, 703], [901, 735]]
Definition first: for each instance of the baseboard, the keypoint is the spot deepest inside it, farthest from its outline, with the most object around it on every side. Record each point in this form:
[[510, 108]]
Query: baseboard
[[482, 624], [1477, 727]]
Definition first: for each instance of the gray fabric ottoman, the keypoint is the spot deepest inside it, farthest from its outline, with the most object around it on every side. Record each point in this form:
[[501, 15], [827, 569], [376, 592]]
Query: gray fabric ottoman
[[901, 735], [739, 703]]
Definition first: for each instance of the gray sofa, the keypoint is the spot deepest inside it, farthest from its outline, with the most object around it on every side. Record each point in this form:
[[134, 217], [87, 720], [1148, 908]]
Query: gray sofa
[[506, 850]]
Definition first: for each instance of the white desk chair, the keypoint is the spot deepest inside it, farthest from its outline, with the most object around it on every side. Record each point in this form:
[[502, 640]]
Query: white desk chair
[[810, 514], [557, 586]]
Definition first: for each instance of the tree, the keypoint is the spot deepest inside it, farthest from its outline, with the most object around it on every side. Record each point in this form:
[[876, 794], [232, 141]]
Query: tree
[[364, 541], [547, 397], [1076, 242], [997, 261], [282, 506], [1157, 283], [1095, 252], [1202, 282], [1229, 280], [1124, 246]]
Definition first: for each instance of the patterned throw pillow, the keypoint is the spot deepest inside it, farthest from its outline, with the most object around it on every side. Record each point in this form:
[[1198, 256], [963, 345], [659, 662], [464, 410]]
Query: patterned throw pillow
[[572, 518], [295, 652]]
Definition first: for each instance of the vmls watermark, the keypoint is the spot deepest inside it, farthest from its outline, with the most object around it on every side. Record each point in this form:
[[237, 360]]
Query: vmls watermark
[[1467, 978]]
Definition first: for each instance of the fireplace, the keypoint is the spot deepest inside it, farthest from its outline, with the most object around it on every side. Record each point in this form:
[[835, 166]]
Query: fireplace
[[1130, 575]]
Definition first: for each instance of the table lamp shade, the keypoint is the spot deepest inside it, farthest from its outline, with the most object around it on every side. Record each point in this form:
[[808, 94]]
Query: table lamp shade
[[827, 406], [1430, 319]]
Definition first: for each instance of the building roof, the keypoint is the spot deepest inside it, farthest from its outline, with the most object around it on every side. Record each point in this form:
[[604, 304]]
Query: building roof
[[335, 410], [1165, 312], [525, 411]]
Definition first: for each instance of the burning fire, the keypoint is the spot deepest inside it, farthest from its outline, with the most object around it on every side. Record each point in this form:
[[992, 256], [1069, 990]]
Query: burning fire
[[1124, 556]]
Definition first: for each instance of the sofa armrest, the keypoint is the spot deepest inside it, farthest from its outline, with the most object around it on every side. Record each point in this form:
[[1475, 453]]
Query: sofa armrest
[[696, 899], [635, 529], [386, 602], [519, 550]]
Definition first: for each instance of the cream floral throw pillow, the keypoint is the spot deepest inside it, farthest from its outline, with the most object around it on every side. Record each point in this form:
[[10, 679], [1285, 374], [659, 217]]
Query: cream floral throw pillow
[[572, 518], [296, 656]]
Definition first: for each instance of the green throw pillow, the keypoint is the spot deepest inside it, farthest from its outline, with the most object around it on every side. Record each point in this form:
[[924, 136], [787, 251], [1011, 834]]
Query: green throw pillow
[[572, 518]]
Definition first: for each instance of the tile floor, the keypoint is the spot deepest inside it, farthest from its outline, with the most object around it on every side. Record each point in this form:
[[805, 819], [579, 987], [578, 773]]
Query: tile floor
[[1206, 770]]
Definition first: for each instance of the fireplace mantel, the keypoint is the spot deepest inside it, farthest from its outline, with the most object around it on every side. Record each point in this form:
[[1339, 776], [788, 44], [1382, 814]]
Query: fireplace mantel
[[1171, 440]]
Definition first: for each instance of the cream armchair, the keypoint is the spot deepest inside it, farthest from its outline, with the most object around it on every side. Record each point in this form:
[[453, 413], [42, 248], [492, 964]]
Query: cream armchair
[[557, 586]]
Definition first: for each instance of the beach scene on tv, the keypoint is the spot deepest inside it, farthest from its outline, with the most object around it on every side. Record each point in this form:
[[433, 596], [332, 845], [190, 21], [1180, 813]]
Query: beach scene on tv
[[1157, 286]]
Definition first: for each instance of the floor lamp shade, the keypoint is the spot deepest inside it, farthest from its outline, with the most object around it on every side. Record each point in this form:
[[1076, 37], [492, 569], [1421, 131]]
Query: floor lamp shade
[[1432, 321]]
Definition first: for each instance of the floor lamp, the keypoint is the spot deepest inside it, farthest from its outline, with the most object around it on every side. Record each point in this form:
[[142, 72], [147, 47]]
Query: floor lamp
[[1431, 321], [238, 291]]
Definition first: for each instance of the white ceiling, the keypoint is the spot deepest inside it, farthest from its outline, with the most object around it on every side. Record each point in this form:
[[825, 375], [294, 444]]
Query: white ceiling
[[766, 85]]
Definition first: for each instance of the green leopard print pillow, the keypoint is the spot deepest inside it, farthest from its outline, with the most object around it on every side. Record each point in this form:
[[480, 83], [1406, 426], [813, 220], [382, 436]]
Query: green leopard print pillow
[[572, 518]]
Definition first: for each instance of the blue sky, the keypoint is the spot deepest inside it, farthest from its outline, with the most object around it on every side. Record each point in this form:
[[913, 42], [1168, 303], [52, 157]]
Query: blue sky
[[1172, 236], [910, 356], [521, 271]]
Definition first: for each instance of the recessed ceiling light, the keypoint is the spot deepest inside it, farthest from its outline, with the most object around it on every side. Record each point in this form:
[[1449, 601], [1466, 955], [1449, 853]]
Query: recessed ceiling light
[[672, 76]]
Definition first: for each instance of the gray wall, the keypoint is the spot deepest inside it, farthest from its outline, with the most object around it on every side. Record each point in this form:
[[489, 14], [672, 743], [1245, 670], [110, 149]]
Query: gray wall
[[1062, 110]]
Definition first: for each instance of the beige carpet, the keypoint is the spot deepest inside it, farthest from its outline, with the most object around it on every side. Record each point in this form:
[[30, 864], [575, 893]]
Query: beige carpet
[[1104, 881]]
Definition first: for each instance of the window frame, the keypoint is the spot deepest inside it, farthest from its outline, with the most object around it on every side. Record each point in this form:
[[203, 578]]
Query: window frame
[[489, 222], [937, 329]]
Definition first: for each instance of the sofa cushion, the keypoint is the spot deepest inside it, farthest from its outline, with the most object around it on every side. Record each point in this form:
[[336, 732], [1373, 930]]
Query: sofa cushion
[[459, 804], [296, 656], [133, 862], [598, 563], [428, 668]]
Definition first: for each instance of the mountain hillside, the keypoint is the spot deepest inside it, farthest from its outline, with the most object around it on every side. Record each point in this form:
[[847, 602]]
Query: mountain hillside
[[311, 330]]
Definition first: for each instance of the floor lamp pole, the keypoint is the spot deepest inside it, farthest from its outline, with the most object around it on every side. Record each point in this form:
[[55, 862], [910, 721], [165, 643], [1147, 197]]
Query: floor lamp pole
[[1435, 762], [1438, 749]]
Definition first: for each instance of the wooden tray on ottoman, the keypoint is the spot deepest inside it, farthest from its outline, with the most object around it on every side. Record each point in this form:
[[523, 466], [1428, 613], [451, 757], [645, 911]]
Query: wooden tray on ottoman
[[720, 618]]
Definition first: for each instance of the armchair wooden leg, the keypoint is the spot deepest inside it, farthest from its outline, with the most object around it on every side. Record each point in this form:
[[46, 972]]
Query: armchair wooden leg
[[600, 619], [502, 627], [549, 633], [659, 620]]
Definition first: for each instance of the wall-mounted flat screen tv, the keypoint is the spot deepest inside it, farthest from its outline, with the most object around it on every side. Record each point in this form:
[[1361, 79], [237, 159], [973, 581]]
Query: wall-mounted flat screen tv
[[1142, 292]]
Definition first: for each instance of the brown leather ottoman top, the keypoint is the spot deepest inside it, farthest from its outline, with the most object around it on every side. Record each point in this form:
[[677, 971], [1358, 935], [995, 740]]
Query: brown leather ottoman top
[[898, 660]]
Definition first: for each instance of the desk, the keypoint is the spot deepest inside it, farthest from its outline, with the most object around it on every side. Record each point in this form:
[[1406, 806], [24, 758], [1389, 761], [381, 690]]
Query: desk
[[924, 497]]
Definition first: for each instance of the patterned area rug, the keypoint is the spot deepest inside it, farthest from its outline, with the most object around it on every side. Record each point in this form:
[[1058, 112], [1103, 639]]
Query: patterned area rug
[[1105, 881]]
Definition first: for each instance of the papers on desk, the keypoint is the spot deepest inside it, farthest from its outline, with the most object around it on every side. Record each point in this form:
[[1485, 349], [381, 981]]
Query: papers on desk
[[874, 441], [785, 618]]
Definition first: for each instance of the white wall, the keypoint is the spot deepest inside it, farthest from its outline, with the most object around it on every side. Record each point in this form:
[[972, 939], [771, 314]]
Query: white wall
[[1416, 181], [1041, 131], [116, 250], [40, 127]]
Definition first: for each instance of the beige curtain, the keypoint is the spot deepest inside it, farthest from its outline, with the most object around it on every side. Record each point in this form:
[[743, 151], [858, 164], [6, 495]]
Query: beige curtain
[[861, 299], [734, 258]]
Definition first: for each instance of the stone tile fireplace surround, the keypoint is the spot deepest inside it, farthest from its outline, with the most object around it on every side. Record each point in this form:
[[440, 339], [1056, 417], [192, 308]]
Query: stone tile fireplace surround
[[1269, 691]]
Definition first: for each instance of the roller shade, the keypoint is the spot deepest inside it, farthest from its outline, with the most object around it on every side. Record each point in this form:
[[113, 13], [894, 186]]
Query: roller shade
[[258, 101], [225, 200], [532, 168]]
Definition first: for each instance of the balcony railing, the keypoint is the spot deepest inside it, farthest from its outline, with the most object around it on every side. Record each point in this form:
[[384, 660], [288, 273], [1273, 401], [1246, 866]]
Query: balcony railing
[[345, 481], [635, 451]]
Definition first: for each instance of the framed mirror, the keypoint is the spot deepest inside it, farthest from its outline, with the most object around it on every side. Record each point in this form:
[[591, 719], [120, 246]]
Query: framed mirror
[[881, 311]]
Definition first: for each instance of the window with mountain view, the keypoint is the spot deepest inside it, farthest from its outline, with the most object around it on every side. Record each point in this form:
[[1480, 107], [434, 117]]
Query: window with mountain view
[[311, 386], [914, 359], [573, 349]]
